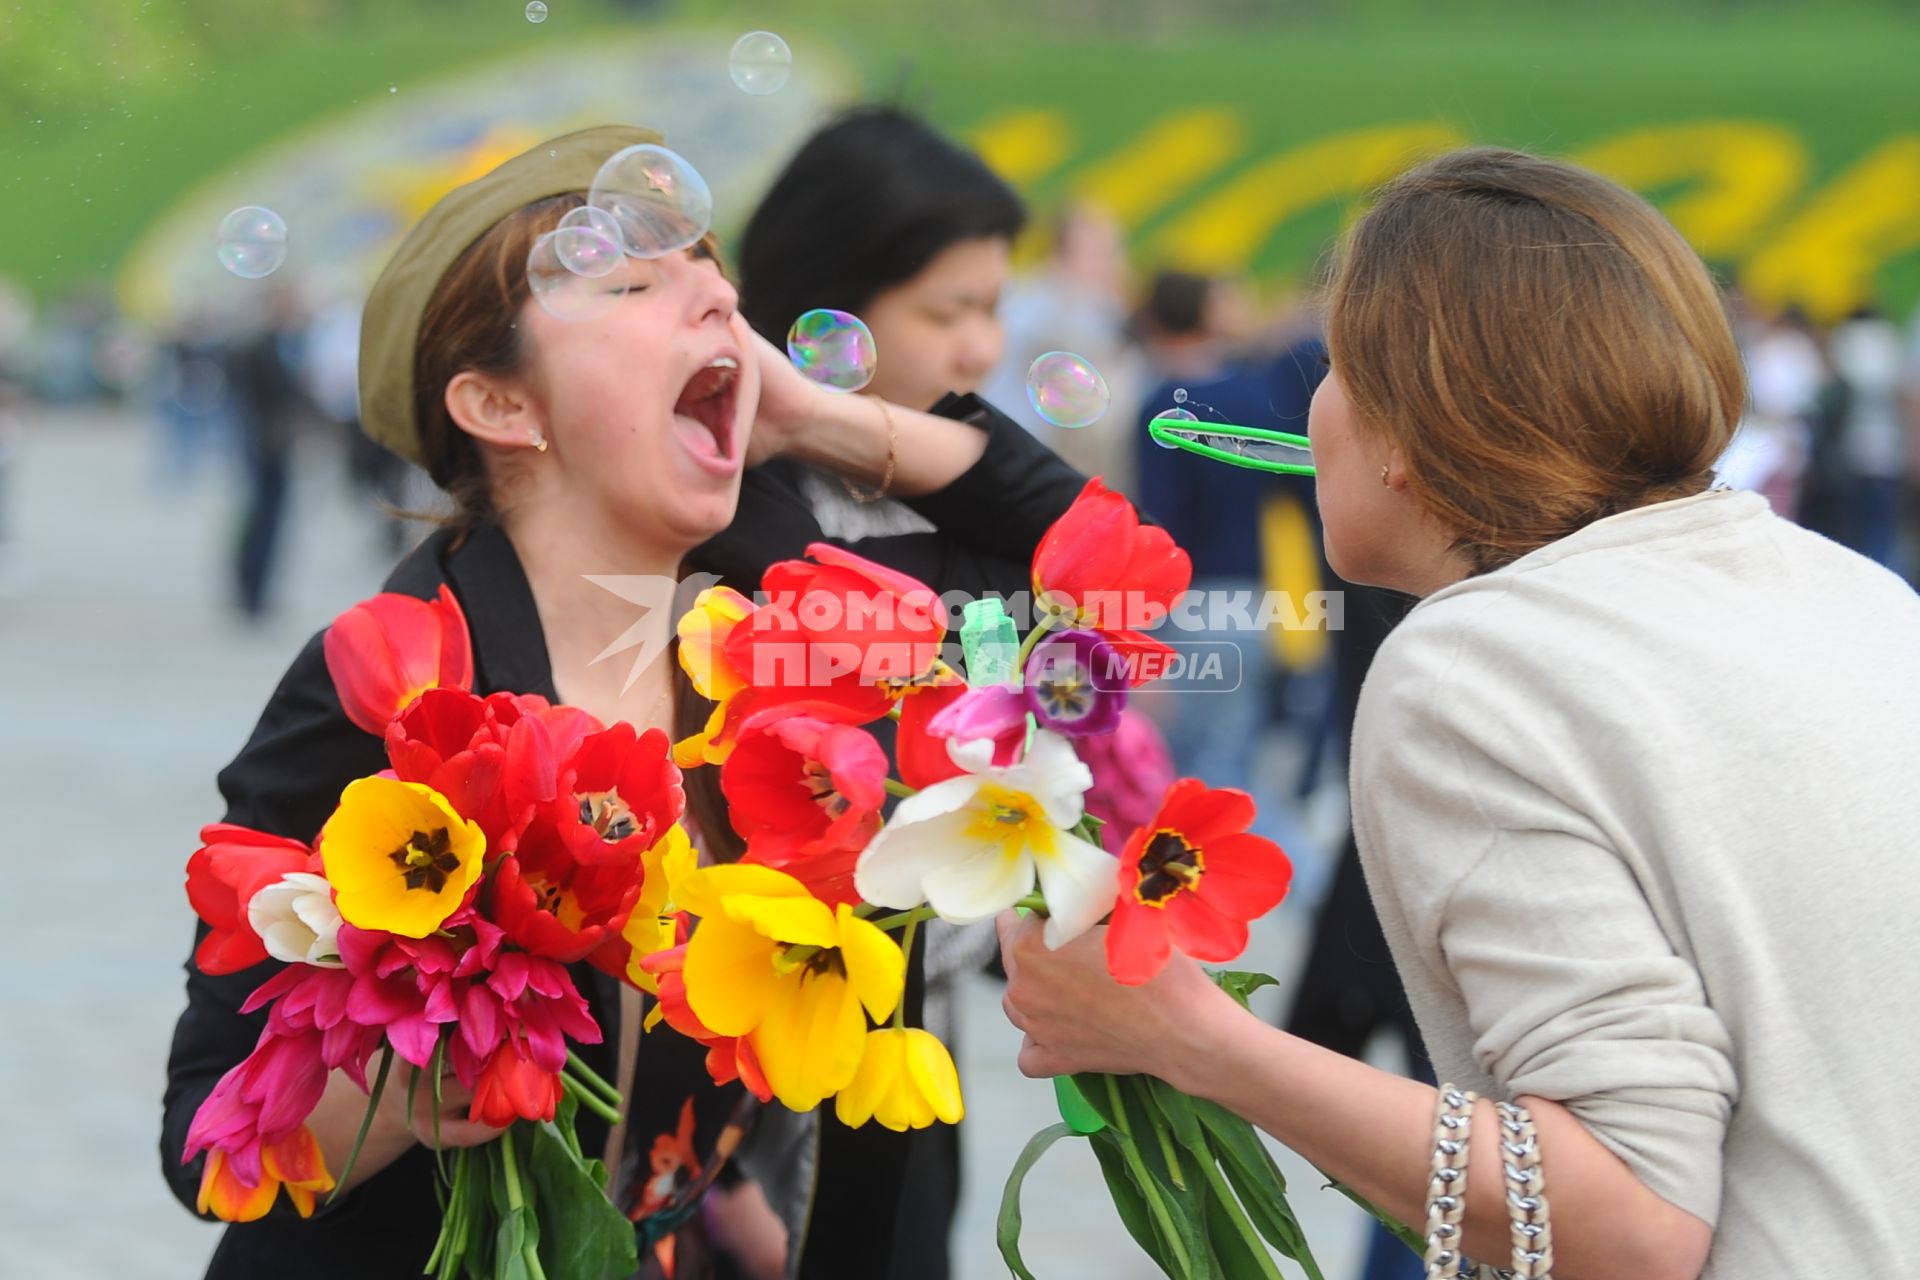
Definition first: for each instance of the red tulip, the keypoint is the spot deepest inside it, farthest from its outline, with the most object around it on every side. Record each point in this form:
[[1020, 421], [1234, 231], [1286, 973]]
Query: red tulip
[[836, 626], [1109, 573], [554, 906], [386, 651], [1192, 879], [512, 1087], [232, 864], [806, 796], [922, 756], [495, 759]]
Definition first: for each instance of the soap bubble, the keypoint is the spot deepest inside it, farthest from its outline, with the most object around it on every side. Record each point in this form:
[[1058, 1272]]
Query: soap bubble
[[536, 12], [587, 251], [760, 63], [252, 242], [1179, 397], [1066, 390], [834, 349], [659, 201], [562, 292], [1167, 414], [588, 216]]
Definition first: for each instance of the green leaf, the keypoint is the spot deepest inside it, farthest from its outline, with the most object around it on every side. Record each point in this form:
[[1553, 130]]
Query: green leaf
[[582, 1234], [1240, 984], [563, 1119], [1008, 1230], [1138, 1120], [366, 1122], [1127, 1200], [1233, 1253], [511, 1247], [1178, 1110], [1257, 1181], [1401, 1231]]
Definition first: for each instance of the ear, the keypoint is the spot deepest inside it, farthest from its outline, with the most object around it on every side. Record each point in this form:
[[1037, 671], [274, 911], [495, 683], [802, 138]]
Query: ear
[[1396, 477], [494, 409]]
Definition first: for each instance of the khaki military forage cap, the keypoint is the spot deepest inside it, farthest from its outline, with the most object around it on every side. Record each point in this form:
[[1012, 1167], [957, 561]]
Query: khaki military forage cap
[[390, 329]]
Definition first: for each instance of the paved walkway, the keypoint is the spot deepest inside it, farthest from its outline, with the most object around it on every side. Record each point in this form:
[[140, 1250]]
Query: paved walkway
[[126, 684]]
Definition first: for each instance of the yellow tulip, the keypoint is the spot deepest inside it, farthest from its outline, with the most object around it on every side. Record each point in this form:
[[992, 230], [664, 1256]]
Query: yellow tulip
[[399, 857], [651, 926], [771, 962], [703, 633], [906, 1081]]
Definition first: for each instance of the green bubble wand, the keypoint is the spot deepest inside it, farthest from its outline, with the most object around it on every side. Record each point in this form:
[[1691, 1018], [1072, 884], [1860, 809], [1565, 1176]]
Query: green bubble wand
[[1256, 448]]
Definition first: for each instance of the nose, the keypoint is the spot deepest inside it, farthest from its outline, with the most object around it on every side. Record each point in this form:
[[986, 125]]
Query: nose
[[978, 351], [710, 295]]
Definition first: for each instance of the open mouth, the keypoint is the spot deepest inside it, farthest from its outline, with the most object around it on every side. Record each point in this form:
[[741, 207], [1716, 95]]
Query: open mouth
[[708, 400]]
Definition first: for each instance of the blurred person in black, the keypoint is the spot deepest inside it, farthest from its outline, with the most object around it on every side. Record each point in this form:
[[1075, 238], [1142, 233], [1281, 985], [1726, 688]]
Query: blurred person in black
[[1187, 326], [881, 215], [267, 399], [1865, 353]]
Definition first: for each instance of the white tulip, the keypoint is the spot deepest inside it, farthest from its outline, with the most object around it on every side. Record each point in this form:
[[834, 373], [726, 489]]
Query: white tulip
[[296, 919], [972, 846]]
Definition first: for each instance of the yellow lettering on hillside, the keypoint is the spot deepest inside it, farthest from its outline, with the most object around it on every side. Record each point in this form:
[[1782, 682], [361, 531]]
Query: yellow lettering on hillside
[[1226, 229], [1161, 165], [1744, 172], [1826, 258], [1023, 145]]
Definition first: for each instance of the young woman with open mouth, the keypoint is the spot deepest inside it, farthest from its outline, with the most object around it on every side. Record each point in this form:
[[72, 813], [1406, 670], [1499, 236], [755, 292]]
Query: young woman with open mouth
[[610, 444]]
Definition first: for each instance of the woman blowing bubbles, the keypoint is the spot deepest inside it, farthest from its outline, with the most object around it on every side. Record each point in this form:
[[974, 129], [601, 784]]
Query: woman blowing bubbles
[[1633, 784]]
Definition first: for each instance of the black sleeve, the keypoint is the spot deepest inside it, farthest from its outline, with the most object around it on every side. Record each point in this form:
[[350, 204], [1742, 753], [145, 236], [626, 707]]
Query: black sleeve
[[986, 523], [286, 781]]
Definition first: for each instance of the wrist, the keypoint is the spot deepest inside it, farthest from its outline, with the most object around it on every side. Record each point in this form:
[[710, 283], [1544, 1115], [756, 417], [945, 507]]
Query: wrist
[[846, 434], [1193, 1052]]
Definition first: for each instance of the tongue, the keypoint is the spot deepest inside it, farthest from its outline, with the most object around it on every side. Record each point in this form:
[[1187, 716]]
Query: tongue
[[697, 436]]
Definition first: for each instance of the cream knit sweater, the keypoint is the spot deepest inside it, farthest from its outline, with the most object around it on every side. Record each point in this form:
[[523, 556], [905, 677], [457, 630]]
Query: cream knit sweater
[[1641, 814]]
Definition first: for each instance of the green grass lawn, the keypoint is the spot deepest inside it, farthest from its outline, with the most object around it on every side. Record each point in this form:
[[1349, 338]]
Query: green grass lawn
[[82, 183]]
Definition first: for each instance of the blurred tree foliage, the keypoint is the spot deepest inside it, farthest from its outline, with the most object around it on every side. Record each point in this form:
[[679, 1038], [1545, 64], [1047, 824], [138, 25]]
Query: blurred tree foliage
[[63, 58]]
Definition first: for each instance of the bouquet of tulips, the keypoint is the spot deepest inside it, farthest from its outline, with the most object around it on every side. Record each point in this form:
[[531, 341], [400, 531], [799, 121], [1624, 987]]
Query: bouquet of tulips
[[433, 920], [795, 950]]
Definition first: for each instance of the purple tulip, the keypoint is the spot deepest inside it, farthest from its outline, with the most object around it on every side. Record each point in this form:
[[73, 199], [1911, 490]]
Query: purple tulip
[[1067, 687]]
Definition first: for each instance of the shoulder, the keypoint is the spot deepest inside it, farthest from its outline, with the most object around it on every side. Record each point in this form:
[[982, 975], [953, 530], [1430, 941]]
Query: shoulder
[[303, 750]]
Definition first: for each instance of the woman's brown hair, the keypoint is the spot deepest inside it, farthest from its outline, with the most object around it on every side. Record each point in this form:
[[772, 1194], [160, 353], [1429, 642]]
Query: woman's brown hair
[[1540, 344], [472, 321]]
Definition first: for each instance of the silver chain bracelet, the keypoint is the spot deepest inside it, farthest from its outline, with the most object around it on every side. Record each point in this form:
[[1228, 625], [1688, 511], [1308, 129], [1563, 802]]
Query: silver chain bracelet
[[1526, 1181], [1526, 1186], [1447, 1183]]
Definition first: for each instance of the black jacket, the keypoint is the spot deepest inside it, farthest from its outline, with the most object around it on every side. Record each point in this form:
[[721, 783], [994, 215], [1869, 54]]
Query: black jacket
[[304, 751]]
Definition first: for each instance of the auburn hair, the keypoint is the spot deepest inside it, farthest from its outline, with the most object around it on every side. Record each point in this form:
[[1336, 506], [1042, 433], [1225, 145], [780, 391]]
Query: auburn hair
[[1542, 347]]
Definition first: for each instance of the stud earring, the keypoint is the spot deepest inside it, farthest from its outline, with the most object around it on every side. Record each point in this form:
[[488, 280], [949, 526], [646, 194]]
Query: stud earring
[[1383, 473], [539, 443]]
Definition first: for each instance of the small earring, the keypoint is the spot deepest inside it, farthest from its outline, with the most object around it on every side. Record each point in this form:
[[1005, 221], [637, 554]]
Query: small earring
[[539, 442], [1385, 467]]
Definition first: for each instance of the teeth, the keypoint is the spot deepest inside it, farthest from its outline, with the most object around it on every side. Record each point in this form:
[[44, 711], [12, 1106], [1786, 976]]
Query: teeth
[[723, 362]]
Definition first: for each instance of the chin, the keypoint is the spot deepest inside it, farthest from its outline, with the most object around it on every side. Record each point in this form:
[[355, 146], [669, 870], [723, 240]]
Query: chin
[[693, 518]]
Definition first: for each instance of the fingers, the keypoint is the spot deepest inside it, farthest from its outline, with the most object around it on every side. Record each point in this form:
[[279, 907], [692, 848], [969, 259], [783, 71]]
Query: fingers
[[1012, 1010], [1035, 1062], [1007, 925]]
